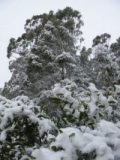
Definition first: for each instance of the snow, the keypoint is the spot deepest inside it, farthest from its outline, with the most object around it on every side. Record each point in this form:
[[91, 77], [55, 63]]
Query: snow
[[20, 106], [103, 140], [88, 142], [72, 139], [45, 154], [117, 91], [3, 135], [108, 128], [65, 56], [45, 126]]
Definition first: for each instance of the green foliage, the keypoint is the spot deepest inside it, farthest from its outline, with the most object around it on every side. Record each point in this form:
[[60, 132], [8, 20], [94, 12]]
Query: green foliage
[[102, 39], [62, 24], [86, 156], [84, 56], [56, 149], [115, 47], [22, 135], [11, 46]]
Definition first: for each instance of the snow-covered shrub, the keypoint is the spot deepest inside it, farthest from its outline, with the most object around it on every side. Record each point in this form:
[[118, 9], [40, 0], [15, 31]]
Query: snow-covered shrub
[[66, 105], [21, 128], [60, 104], [102, 143], [81, 128]]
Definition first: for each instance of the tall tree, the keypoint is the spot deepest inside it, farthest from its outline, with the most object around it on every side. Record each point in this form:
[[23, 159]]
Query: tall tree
[[115, 48], [102, 39], [46, 36], [103, 69]]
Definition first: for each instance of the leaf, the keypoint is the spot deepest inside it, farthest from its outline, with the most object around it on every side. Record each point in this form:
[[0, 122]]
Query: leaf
[[72, 135]]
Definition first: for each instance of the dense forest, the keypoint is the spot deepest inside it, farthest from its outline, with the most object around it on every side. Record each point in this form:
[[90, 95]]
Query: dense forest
[[62, 101]]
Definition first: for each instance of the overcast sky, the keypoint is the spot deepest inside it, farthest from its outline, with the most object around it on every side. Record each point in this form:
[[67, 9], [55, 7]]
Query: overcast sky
[[99, 16]]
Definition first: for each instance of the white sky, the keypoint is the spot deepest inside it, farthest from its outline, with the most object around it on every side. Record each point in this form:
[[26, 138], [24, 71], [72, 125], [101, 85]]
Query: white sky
[[99, 16]]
